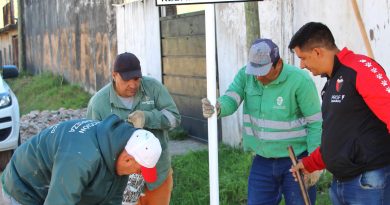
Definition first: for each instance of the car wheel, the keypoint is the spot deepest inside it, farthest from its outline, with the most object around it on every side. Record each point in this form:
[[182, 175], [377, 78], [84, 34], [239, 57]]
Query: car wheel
[[4, 158]]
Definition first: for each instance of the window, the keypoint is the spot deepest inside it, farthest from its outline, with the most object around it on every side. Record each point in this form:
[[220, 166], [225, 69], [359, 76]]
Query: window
[[8, 14]]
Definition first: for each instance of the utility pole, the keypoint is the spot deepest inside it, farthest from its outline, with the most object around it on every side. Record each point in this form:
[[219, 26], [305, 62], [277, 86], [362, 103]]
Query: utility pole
[[252, 22], [21, 36]]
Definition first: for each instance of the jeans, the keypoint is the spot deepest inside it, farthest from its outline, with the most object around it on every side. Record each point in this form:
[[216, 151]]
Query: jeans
[[270, 178], [371, 187]]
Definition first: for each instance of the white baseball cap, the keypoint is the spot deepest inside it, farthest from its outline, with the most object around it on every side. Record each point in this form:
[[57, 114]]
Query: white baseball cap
[[146, 150]]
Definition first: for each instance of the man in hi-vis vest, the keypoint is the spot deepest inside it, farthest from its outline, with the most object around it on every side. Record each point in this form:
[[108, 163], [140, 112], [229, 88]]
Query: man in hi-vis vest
[[281, 108]]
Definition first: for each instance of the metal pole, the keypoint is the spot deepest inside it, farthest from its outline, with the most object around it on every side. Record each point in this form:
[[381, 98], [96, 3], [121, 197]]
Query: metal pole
[[211, 95], [21, 37]]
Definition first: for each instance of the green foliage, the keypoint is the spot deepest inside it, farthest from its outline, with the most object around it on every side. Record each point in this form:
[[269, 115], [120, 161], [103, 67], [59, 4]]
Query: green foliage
[[323, 186], [47, 92], [191, 178], [178, 134]]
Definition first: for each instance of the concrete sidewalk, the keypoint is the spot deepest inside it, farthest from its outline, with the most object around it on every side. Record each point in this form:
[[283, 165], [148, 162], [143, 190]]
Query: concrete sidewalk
[[180, 147]]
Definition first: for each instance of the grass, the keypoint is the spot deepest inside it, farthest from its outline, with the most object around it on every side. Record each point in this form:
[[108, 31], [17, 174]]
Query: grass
[[191, 179], [178, 134], [47, 92]]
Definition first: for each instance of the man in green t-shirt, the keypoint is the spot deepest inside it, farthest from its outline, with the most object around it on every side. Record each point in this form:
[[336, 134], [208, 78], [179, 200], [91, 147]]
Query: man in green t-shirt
[[147, 104]]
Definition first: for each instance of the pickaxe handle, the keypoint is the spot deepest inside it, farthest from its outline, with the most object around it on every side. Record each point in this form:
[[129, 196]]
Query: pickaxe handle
[[304, 193]]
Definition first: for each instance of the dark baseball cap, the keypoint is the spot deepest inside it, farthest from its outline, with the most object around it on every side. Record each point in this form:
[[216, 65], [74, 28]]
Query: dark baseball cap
[[262, 54], [128, 66]]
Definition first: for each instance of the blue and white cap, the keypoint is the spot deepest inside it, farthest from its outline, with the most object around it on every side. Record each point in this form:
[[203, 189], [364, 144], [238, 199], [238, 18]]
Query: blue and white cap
[[262, 54]]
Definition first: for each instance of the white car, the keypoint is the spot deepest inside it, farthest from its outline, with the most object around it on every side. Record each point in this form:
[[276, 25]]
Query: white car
[[9, 116]]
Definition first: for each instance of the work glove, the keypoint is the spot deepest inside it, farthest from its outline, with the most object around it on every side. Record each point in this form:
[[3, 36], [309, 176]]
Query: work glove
[[137, 118], [208, 109], [134, 189], [312, 178]]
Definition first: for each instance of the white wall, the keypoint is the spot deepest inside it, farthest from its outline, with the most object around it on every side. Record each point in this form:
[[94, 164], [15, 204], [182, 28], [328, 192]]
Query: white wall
[[338, 15], [279, 20], [138, 32], [275, 19], [232, 55], [376, 16]]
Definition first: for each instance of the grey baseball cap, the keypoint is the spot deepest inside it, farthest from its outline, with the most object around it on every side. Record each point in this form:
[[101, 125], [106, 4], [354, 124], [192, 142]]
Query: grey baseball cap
[[262, 54]]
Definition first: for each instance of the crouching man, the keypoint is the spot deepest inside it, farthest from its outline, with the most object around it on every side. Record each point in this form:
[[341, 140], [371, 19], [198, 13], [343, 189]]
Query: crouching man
[[80, 162]]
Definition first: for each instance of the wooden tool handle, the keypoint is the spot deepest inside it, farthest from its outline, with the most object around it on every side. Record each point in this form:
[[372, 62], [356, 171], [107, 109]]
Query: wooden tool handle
[[362, 29], [294, 161]]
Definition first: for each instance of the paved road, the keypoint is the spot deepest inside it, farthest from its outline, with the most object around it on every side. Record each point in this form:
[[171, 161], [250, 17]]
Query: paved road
[[175, 147]]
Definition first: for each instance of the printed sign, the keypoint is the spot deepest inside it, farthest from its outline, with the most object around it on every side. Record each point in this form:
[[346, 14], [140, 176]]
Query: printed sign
[[179, 2]]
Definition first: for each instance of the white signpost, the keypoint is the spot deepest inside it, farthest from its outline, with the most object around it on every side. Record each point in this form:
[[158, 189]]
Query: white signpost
[[211, 75]]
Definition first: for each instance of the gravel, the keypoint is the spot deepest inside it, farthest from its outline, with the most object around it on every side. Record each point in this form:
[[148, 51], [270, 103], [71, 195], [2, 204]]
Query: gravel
[[36, 121]]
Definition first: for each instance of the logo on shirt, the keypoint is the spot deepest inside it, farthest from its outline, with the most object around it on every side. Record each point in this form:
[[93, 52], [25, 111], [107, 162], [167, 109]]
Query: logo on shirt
[[147, 101], [339, 83], [83, 126], [279, 103], [337, 98]]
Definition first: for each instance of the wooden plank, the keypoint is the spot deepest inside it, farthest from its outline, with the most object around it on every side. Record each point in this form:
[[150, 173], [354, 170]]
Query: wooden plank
[[184, 68], [195, 87], [184, 46], [189, 106], [183, 25], [187, 66]]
